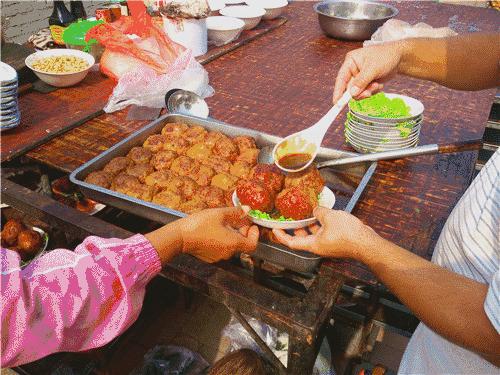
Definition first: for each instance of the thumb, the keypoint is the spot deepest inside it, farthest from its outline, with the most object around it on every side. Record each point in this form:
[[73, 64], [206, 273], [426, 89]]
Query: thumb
[[360, 82], [320, 213], [248, 244]]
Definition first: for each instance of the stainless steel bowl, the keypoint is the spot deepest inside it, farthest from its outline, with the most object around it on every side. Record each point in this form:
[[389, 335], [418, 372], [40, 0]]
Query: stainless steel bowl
[[352, 20]]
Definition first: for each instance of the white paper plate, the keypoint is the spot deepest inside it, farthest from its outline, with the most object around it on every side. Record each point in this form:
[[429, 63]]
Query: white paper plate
[[327, 199]]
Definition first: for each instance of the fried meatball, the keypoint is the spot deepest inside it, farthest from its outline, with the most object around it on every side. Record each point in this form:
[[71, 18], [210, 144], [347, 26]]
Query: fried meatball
[[99, 178], [123, 182], [160, 179], [117, 165], [188, 187], [143, 192], [140, 155], [140, 171], [174, 128], [29, 242], [162, 160], [224, 181], [10, 231], [296, 203], [256, 195], [175, 143], [168, 198], [155, 142], [309, 178], [203, 176], [225, 148], [218, 164], [270, 175], [250, 156], [213, 137], [244, 142], [199, 151], [212, 196], [240, 169], [193, 205], [228, 197], [195, 134], [185, 166]]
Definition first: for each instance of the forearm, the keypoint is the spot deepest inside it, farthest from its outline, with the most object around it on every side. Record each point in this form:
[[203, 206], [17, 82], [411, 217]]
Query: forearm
[[167, 241], [464, 62], [445, 301]]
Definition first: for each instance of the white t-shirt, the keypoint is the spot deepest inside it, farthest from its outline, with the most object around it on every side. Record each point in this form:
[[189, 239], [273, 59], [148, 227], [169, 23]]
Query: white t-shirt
[[469, 245]]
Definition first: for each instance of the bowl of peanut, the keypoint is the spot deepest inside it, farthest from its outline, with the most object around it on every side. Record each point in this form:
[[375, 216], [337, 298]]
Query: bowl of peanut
[[60, 67]]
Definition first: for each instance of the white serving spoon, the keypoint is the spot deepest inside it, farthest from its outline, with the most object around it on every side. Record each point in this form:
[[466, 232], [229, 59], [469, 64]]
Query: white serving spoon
[[298, 150]]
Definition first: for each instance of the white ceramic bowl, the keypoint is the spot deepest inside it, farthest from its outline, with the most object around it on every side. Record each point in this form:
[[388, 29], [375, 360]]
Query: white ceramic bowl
[[250, 15], [326, 199], [273, 8], [223, 30], [60, 79], [215, 6]]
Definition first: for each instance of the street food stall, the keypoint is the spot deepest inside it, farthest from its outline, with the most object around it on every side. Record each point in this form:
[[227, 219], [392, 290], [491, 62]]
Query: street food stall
[[271, 81]]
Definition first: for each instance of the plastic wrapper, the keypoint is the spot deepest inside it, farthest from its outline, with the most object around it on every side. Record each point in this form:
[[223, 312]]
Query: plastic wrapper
[[396, 30], [145, 61]]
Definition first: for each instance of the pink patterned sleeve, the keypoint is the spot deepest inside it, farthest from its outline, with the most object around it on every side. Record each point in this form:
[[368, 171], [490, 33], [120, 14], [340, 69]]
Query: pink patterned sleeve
[[73, 300]]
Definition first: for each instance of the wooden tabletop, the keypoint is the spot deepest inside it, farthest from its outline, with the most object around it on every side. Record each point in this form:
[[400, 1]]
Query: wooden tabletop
[[282, 82]]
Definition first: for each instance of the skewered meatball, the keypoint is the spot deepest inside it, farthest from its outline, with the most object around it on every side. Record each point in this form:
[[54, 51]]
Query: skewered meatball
[[163, 160], [191, 206], [175, 143], [244, 142], [212, 138], [155, 142], [160, 179], [270, 175], [225, 148], [240, 169], [212, 196], [195, 134], [199, 151], [124, 182], [140, 155], [203, 175], [224, 181], [168, 198], [309, 178], [185, 166], [117, 165], [296, 203], [10, 231], [256, 195], [28, 243], [99, 178], [218, 164], [250, 156], [140, 171], [174, 128]]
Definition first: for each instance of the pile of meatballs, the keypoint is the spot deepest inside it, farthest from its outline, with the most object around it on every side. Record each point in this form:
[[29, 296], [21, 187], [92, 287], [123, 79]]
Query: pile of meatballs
[[293, 196], [186, 168]]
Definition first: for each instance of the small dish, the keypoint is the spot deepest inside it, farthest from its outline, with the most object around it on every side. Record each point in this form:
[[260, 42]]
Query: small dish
[[273, 8], [326, 199], [416, 111], [60, 79], [249, 14], [223, 30]]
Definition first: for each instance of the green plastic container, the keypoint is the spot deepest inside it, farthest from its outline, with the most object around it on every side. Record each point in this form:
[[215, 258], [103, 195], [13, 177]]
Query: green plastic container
[[74, 37]]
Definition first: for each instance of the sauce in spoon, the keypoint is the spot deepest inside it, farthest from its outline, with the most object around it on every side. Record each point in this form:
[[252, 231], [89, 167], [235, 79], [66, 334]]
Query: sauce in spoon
[[295, 161]]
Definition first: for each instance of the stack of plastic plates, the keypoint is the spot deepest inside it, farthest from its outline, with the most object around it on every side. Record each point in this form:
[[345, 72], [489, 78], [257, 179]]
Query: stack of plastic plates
[[368, 134], [9, 109]]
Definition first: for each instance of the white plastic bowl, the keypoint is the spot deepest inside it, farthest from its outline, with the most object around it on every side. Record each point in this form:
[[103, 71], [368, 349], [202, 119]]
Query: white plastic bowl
[[223, 30], [249, 14], [273, 8], [60, 79]]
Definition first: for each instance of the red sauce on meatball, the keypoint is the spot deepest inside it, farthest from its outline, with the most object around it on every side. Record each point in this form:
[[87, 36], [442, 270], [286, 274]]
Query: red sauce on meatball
[[256, 195]]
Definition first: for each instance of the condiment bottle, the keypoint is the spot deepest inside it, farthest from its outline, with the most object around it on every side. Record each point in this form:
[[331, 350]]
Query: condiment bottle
[[59, 20], [78, 10]]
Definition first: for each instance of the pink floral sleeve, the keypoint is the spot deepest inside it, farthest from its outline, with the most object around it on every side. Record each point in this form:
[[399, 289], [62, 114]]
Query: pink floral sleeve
[[73, 300]]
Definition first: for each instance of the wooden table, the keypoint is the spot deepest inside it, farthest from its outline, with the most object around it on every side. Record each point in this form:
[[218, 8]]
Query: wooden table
[[281, 83]]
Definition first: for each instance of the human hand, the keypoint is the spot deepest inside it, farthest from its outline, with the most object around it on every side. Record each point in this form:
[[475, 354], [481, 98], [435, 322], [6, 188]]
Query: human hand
[[341, 235], [217, 234], [365, 69]]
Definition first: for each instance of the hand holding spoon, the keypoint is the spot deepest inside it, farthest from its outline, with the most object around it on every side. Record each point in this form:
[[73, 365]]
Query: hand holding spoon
[[297, 151]]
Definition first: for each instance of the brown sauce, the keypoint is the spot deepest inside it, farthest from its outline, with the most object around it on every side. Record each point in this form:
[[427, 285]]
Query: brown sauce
[[294, 161]]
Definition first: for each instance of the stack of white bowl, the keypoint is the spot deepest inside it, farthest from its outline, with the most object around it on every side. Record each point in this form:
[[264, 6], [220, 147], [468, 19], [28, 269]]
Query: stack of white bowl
[[9, 108], [367, 134]]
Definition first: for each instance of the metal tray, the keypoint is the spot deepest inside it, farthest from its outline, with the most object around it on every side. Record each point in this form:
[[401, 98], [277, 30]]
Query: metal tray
[[347, 182]]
